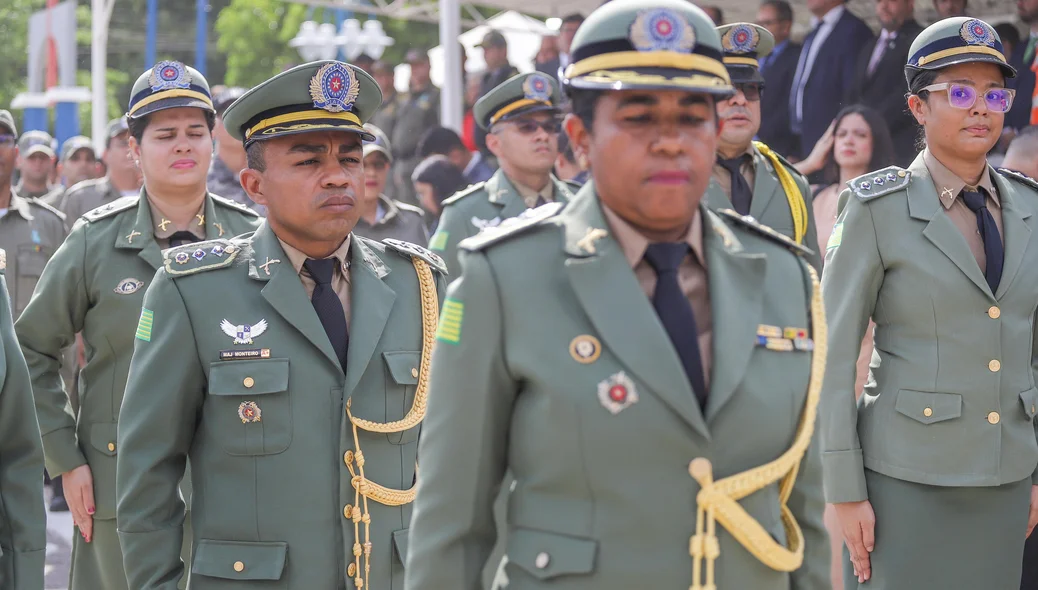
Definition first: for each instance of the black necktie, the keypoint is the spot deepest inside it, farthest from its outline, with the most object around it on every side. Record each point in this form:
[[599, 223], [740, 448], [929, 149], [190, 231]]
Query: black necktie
[[328, 306], [741, 191], [675, 311], [989, 233], [179, 238]]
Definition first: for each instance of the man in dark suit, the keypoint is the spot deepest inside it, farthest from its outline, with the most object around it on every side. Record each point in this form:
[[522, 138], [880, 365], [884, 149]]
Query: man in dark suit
[[825, 70], [778, 69], [879, 77], [1022, 57]]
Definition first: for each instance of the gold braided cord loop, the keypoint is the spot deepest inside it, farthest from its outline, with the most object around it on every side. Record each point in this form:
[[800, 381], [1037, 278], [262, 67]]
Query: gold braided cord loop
[[365, 489], [718, 501], [430, 317], [797, 204]]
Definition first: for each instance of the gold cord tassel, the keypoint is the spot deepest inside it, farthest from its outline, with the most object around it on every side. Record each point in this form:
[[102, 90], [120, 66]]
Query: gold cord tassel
[[797, 204], [364, 489], [718, 500]]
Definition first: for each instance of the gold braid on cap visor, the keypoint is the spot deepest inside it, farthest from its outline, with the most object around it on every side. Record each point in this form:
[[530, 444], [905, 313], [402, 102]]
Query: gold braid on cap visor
[[648, 59]]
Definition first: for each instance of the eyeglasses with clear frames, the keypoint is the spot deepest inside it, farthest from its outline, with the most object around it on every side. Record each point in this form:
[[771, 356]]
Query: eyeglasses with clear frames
[[963, 96]]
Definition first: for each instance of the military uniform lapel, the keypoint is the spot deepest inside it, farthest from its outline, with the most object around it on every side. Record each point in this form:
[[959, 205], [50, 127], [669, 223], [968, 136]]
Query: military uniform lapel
[[765, 187], [715, 197], [736, 299], [563, 194], [924, 205], [136, 233], [214, 225], [501, 192], [621, 313], [1016, 232], [284, 291], [372, 300]]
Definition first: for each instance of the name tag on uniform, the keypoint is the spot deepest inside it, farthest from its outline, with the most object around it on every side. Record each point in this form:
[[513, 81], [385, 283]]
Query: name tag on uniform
[[254, 353]]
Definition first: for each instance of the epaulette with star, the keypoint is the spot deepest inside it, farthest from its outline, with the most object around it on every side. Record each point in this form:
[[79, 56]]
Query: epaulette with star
[[409, 250], [511, 227], [200, 256], [472, 188], [748, 222], [116, 206], [882, 182], [230, 204], [1019, 177]]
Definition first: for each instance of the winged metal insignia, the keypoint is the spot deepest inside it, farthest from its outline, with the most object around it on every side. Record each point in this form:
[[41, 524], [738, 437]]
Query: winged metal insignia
[[243, 333]]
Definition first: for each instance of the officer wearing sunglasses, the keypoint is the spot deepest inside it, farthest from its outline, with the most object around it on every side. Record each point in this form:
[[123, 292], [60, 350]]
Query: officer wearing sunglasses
[[932, 471], [521, 118], [748, 176]]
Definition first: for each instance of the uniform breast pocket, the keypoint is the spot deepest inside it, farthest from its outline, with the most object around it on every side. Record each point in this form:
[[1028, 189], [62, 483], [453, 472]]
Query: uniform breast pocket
[[248, 408], [402, 372], [31, 260]]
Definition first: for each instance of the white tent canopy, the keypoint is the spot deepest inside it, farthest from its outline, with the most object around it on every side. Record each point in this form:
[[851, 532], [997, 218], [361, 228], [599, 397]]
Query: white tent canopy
[[523, 34]]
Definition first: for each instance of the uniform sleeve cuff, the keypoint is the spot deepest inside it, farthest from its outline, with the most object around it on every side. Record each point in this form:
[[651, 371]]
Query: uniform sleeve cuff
[[844, 476], [61, 451]]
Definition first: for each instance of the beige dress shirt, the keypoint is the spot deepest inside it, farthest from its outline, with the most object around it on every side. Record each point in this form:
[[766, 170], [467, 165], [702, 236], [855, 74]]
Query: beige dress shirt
[[530, 196], [692, 275], [164, 228], [948, 187], [340, 279]]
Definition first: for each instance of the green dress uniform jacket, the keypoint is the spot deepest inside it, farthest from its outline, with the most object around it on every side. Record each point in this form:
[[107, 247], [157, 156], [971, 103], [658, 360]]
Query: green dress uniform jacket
[[85, 196], [399, 221], [770, 205], [951, 397], [271, 447], [94, 285], [567, 378], [481, 206], [30, 233], [23, 520]]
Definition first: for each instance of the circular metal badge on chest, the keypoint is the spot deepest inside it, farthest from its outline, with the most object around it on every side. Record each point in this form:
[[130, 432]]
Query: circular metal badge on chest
[[585, 349]]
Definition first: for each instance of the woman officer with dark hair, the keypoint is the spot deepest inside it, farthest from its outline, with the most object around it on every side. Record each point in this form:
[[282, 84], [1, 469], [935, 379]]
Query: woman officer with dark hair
[[931, 471], [95, 285], [652, 385]]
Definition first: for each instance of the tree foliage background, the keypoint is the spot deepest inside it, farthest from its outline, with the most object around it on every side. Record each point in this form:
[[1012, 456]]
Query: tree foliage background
[[247, 42]]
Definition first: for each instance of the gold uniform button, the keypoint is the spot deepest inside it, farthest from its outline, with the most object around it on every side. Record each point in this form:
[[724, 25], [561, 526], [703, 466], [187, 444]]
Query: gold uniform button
[[248, 382], [414, 372], [994, 366], [994, 312], [239, 567], [111, 447], [351, 570], [542, 560], [928, 412], [347, 511], [993, 418]]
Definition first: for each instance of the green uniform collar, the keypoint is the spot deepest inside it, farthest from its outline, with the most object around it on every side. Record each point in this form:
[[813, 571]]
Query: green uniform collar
[[21, 205]]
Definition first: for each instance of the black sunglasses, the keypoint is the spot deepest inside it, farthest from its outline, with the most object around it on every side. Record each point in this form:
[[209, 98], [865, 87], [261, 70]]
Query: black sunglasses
[[751, 90], [530, 126]]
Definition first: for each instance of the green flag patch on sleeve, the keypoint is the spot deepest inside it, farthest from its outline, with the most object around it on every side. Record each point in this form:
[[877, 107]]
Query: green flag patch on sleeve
[[144, 325], [836, 237], [449, 330], [439, 241]]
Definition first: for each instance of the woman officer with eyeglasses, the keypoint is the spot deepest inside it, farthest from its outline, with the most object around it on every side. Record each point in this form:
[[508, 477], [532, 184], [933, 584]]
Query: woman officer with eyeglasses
[[931, 471]]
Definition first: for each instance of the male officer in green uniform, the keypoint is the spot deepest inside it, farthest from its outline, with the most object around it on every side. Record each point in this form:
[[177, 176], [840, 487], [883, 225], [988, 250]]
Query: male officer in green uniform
[[23, 526], [748, 176], [94, 285], [651, 380], [122, 179], [36, 163], [292, 369], [416, 113], [521, 116], [30, 231]]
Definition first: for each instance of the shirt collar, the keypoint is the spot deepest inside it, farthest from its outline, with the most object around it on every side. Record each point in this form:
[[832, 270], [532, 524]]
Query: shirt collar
[[297, 257], [164, 228], [21, 205], [830, 17], [949, 185], [633, 243], [530, 196]]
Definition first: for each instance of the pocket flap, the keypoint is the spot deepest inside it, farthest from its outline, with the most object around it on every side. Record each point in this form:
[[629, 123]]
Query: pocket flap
[[400, 544], [547, 555], [1029, 399], [927, 407], [103, 437], [239, 560], [403, 366], [248, 377]]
